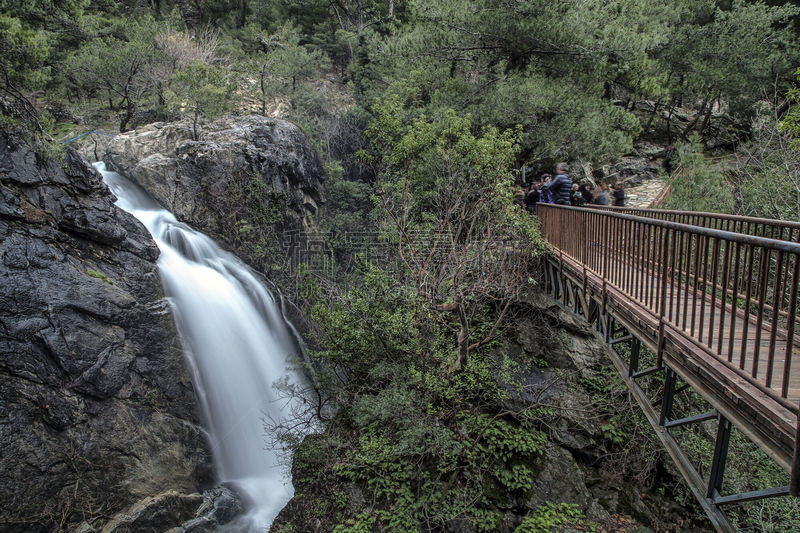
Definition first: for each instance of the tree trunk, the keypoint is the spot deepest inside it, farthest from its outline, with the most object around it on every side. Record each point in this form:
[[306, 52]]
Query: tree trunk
[[707, 118], [652, 116], [241, 17], [130, 114], [463, 339], [697, 116], [191, 14], [263, 90]]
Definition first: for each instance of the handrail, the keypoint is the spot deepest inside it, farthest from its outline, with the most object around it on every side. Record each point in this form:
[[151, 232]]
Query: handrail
[[776, 244], [735, 223], [733, 295]]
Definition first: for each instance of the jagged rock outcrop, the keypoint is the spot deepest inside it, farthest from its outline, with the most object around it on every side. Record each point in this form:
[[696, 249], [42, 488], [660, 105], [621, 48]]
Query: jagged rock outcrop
[[96, 408], [187, 513], [247, 181], [643, 164]]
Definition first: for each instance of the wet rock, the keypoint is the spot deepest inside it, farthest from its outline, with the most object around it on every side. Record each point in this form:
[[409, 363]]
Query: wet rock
[[153, 514], [179, 513], [96, 408], [246, 182]]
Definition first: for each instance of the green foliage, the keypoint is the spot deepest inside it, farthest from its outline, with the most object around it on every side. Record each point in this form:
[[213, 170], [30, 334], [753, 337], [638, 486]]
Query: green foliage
[[535, 64], [749, 468], [697, 185], [425, 446], [99, 275], [511, 449], [120, 65], [260, 211], [548, 516], [791, 121], [206, 90], [284, 68], [24, 53], [614, 432], [766, 175]]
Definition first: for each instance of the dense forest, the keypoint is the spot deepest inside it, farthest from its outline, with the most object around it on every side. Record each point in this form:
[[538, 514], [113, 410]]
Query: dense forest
[[421, 112]]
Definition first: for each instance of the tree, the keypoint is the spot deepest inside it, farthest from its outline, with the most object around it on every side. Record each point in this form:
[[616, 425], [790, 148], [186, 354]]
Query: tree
[[447, 194], [767, 173], [282, 64], [542, 65], [697, 184], [790, 124], [726, 54], [205, 90], [21, 63], [123, 66]]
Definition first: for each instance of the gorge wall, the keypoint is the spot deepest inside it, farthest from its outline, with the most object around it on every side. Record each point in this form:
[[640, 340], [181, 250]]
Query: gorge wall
[[99, 426], [248, 182], [97, 408]]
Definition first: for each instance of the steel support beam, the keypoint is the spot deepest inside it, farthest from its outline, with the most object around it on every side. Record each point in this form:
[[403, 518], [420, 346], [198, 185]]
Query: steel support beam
[[750, 496], [711, 415], [720, 457]]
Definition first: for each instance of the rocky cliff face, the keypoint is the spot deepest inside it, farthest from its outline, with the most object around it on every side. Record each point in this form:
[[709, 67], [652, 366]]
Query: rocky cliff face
[[247, 181], [96, 408]]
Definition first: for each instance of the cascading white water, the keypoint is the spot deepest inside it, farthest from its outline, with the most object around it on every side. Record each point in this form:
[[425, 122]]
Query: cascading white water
[[238, 346]]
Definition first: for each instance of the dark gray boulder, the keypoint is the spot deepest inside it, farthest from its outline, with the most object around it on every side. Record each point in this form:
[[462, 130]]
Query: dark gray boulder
[[96, 408], [251, 182]]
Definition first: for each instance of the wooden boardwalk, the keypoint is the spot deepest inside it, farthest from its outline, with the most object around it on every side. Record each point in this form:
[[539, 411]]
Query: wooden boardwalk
[[729, 334], [718, 308]]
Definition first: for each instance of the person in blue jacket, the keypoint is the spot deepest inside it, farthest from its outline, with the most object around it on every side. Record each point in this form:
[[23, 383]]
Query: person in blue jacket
[[561, 186]]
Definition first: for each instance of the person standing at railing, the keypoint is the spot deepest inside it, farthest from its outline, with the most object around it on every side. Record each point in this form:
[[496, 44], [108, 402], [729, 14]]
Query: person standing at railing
[[545, 196], [531, 199], [576, 198], [561, 186], [586, 193], [618, 192], [602, 196]]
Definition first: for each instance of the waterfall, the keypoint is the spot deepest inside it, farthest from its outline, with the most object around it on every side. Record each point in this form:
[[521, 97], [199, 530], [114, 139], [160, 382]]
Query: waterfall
[[238, 346]]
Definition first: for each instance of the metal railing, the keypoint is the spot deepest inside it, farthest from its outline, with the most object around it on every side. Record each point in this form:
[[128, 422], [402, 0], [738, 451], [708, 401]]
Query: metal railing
[[734, 295], [782, 230]]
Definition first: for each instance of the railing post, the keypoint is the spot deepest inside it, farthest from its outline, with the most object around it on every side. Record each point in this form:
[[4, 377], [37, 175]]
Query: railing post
[[604, 268], [794, 481], [662, 304], [585, 259]]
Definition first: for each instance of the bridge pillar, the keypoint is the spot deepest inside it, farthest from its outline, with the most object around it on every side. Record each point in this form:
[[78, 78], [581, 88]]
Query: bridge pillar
[[669, 396], [720, 458]]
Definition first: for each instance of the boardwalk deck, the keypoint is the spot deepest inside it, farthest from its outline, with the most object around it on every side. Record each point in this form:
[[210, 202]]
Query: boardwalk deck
[[718, 308], [699, 318]]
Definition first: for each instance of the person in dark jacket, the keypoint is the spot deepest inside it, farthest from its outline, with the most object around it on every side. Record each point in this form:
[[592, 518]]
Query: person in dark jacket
[[544, 190], [619, 195], [531, 199], [576, 198], [586, 193], [561, 186]]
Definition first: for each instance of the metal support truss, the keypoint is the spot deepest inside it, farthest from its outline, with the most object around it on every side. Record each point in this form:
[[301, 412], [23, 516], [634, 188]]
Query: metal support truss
[[573, 297]]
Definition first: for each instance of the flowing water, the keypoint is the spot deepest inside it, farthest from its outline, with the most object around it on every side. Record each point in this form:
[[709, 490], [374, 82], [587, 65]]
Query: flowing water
[[238, 345]]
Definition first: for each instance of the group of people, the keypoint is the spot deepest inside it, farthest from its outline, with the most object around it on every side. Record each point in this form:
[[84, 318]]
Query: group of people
[[561, 190]]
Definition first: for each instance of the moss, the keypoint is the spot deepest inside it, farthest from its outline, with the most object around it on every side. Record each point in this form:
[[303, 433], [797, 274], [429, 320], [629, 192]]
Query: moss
[[99, 275]]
